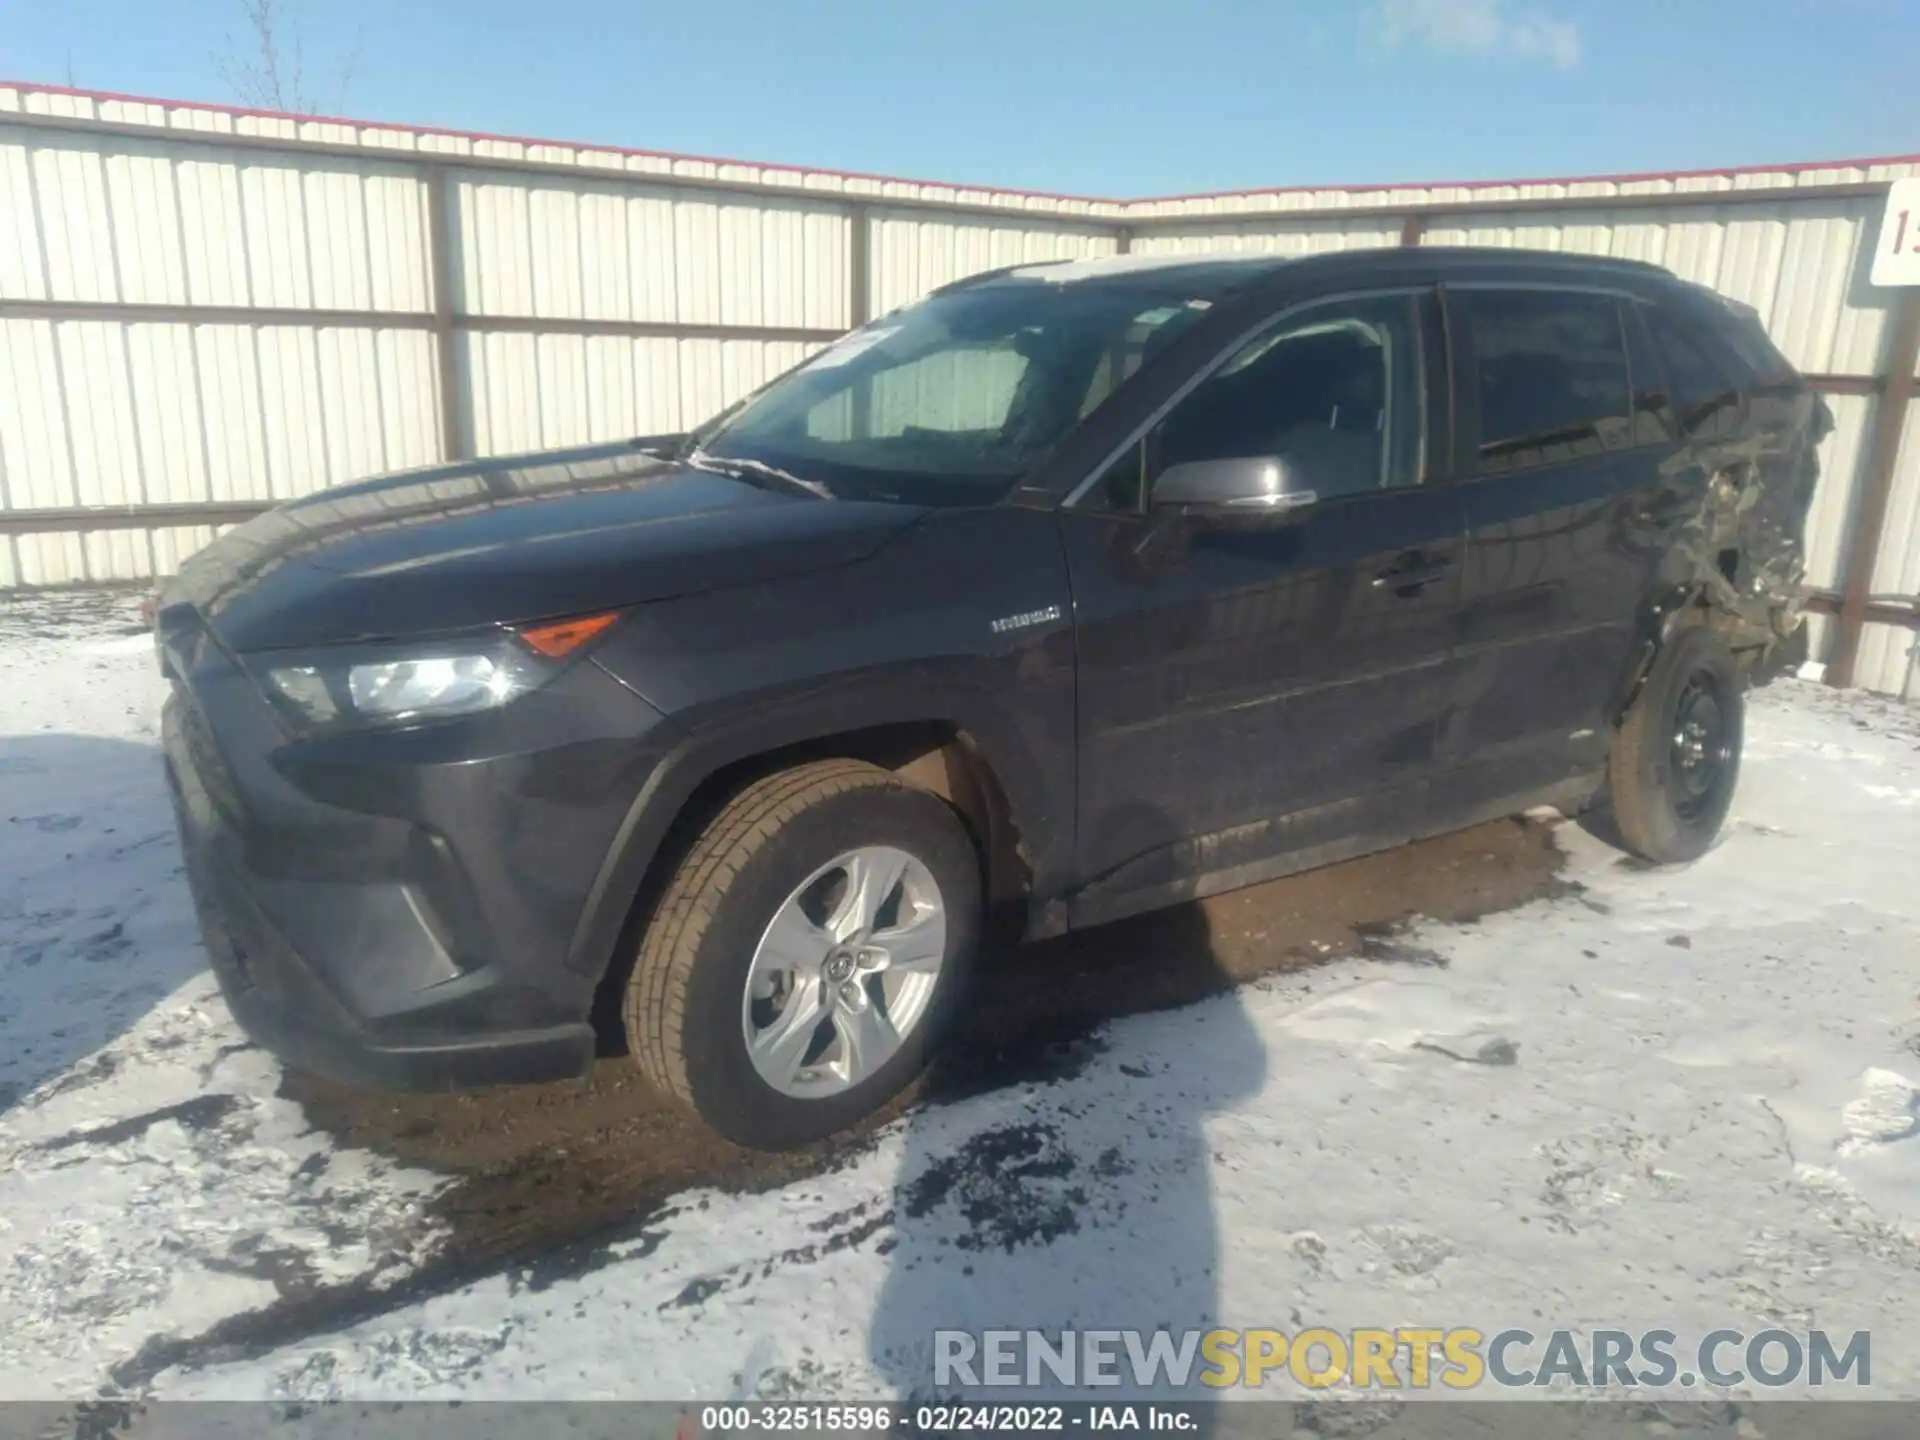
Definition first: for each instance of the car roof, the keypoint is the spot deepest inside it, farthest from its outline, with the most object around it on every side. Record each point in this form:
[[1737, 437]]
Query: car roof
[[1222, 272], [1443, 258]]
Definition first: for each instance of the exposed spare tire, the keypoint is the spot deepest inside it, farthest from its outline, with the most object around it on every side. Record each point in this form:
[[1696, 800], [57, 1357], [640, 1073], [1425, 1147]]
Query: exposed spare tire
[[1675, 760]]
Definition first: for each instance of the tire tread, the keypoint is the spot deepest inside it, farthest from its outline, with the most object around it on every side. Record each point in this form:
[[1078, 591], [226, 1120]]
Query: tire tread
[[1633, 804], [653, 1008]]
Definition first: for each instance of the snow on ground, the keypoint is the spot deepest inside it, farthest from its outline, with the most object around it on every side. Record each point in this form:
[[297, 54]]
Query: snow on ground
[[1679, 1099], [150, 1182]]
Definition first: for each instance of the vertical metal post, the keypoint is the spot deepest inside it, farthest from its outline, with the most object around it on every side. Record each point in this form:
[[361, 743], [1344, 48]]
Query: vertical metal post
[[454, 406], [860, 308], [1883, 453], [859, 265]]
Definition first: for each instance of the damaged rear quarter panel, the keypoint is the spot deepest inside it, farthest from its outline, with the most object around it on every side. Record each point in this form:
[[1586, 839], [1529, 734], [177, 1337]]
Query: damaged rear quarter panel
[[1743, 554], [1738, 562]]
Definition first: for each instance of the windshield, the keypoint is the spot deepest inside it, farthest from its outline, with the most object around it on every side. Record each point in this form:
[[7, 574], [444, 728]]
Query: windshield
[[952, 400]]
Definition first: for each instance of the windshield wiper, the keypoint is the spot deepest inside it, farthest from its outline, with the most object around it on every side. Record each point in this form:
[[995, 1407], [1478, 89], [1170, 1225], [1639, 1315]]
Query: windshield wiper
[[738, 467]]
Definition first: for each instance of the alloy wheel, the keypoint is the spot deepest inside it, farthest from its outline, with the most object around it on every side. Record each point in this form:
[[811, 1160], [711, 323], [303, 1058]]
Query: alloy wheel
[[844, 972]]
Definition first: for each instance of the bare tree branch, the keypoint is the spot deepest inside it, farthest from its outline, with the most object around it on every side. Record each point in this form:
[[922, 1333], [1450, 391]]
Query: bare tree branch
[[349, 67], [265, 67]]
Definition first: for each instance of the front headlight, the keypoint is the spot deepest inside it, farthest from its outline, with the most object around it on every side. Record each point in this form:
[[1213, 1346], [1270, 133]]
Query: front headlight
[[399, 684], [392, 690]]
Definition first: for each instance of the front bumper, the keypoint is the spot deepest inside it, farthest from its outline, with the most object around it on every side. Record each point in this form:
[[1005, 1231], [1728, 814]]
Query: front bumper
[[395, 911]]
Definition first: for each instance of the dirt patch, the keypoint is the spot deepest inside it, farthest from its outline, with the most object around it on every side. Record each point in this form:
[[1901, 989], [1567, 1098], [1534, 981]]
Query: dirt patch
[[542, 1166], [1014, 1186]]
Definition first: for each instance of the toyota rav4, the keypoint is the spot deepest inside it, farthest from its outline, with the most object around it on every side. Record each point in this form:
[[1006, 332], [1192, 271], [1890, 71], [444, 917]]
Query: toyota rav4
[[1070, 591]]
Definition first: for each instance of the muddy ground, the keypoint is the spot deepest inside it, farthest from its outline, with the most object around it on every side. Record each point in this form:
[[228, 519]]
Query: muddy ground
[[542, 1169], [552, 1182]]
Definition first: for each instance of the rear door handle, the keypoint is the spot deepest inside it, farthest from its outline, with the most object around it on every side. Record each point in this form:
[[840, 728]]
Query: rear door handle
[[1411, 573]]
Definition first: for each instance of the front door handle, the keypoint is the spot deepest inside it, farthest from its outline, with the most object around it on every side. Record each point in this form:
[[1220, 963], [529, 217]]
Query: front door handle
[[1411, 573]]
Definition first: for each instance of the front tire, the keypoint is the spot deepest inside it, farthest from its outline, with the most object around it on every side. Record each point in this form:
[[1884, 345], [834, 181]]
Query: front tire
[[806, 954], [1675, 760]]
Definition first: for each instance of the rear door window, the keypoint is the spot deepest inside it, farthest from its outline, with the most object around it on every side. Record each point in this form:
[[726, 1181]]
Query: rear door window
[[1547, 377]]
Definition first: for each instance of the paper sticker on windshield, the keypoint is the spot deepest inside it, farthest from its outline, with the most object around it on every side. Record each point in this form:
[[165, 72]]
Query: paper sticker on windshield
[[851, 347]]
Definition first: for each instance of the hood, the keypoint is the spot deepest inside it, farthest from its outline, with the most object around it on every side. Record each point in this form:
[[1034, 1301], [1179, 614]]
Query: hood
[[510, 540]]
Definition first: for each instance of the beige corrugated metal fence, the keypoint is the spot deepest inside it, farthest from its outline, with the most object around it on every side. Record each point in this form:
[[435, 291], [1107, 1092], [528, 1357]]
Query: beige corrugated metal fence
[[203, 311]]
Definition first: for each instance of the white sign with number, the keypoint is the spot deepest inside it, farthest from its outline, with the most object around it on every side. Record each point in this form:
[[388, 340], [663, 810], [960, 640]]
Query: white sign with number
[[1896, 259]]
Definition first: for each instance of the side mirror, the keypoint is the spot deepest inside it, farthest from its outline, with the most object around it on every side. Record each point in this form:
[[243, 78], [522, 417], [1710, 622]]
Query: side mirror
[[1240, 488]]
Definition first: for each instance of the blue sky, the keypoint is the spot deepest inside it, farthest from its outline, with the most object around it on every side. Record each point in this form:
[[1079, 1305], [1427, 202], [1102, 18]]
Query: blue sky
[[1120, 97]]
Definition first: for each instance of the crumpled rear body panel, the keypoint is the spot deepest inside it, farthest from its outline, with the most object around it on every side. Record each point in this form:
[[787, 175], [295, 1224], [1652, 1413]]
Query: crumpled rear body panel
[[1744, 553]]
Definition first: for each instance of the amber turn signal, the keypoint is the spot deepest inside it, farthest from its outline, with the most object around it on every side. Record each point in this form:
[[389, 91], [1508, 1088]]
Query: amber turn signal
[[559, 638]]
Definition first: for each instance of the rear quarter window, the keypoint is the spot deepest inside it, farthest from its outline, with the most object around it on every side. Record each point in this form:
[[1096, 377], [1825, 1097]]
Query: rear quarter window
[[1717, 360], [1741, 331], [1705, 374]]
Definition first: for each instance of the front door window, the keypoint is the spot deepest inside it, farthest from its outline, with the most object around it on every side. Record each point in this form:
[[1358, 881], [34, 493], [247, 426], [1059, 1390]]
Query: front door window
[[1334, 392]]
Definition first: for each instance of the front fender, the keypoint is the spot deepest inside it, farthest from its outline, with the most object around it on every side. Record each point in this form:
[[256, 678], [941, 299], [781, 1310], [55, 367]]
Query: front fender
[[962, 622], [1040, 808]]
